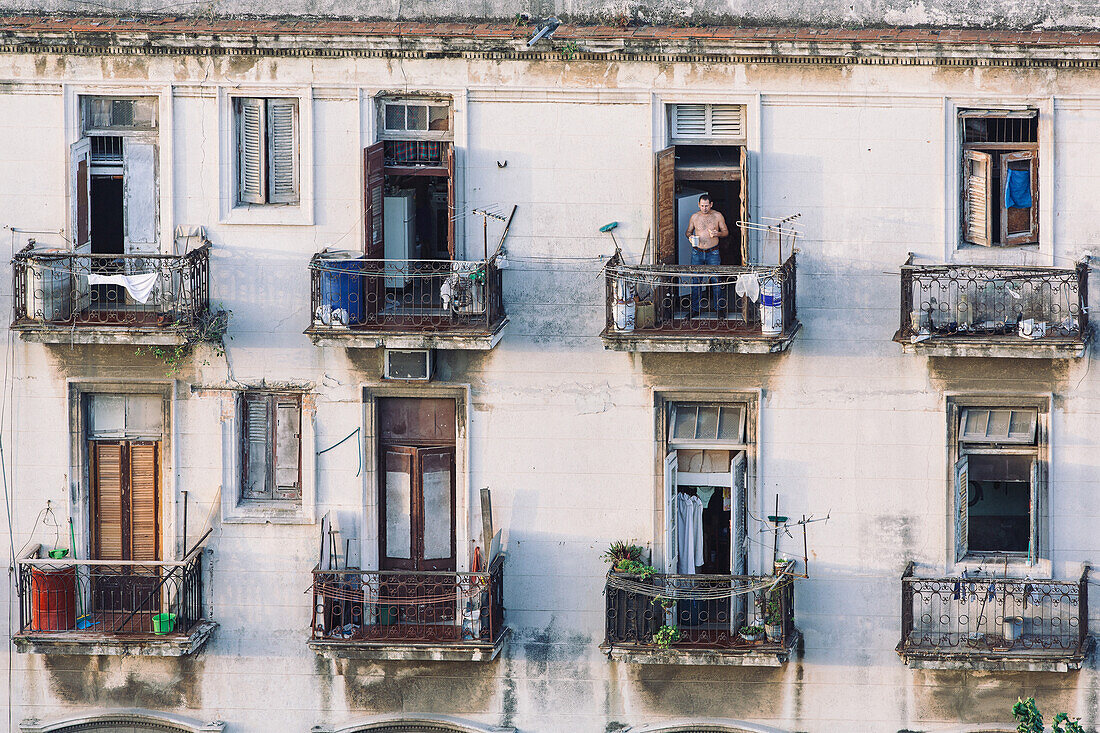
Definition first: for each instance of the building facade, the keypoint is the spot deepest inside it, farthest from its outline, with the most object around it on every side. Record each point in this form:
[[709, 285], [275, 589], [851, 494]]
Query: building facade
[[340, 352]]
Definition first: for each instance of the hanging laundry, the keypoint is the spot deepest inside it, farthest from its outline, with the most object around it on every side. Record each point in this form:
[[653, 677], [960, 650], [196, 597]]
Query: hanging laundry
[[140, 287], [1018, 189], [704, 493], [689, 534], [748, 286]]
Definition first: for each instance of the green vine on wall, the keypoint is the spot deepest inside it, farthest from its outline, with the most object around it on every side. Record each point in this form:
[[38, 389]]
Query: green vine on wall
[[210, 328]]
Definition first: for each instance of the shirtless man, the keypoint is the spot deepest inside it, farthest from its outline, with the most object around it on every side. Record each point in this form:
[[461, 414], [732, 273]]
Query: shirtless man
[[704, 230]]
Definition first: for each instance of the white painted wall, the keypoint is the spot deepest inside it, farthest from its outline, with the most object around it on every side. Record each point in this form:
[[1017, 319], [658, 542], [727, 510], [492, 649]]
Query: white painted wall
[[559, 428]]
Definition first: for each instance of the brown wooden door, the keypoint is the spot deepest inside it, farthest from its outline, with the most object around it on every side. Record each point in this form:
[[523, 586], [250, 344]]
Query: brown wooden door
[[417, 498], [125, 493]]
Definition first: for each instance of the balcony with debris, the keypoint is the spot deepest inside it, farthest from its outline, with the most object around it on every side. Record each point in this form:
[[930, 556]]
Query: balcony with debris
[[994, 311], [982, 622]]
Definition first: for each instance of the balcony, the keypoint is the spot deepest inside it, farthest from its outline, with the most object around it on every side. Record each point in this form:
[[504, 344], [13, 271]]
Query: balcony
[[406, 615], [650, 308], [406, 304], [111, 606], [149, 299], [987, 623], [994, 311], [708, 611]]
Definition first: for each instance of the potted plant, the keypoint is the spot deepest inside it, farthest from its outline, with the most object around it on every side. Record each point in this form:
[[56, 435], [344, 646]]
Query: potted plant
[[621, 553], [783, 565], [773, 619], [632, 616], [752, 633], [666, 636]]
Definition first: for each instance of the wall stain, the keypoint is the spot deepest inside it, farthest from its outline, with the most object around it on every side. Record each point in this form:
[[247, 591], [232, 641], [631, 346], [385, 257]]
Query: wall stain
[[161, 683], [431, 688]]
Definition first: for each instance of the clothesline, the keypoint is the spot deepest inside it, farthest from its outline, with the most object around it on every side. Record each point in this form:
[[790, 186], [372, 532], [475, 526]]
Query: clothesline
[[706, 588]]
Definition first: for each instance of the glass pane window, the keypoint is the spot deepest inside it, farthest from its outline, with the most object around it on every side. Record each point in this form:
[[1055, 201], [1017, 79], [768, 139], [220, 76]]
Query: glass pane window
[[707, 423]]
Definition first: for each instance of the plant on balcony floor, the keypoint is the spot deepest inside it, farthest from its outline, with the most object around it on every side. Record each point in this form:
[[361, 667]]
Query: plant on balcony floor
[[752, 633], [666, 636], [210, 328], [1030, 720], [773, 618]]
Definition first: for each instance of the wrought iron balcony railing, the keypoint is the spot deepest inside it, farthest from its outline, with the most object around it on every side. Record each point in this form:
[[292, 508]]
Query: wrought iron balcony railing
[[991, 302], [405, 295], [700, 300], [707, 611], [63, 289], [109, 598], [987, 616], [406, 607]]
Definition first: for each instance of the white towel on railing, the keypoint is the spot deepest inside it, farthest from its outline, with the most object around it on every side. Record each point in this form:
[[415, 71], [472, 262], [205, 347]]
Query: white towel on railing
[[140, 287]]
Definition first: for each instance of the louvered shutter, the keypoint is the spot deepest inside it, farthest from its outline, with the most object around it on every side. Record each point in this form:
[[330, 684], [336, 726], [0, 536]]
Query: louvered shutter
[[79, 191], [288, 449], [726, 120], [282, 148], [256, 438], [672, 543], [144, 525], [977, 220], [107, 475], [251, 156], [962, 502], [1020, 225], [451, 201], [1033, 536], [737, 505], [689, 120], [664, 189]]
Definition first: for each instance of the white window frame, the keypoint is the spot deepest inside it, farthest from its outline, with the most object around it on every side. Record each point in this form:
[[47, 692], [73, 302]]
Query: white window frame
[[287, 214], [707, 137], [957, 249], [235, 508], [383, 133], [1017, 564]]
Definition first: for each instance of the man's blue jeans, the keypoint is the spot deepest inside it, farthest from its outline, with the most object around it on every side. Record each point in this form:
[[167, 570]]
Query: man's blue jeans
[[703, 294]]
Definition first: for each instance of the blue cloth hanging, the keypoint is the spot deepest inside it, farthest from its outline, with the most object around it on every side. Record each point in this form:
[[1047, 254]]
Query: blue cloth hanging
[[1018, 189]]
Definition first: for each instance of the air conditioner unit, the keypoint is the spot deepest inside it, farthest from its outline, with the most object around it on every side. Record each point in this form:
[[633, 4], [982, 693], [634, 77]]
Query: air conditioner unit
[[410, 365]]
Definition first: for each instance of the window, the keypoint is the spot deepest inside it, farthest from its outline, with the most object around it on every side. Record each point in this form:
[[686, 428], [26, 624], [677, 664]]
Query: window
[[997, 481], [706, 155], [115, 114], [267, 150], [271, 446], [405, 118], [1000, 176]]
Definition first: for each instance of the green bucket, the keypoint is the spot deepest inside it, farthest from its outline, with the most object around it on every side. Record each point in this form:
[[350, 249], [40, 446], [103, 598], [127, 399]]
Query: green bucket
[[164, 623]]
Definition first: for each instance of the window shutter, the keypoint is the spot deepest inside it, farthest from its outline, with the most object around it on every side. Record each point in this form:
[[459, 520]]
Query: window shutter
[[738, 561], [257, 447], [451, 201], [374, 179], [282, 139], [288, 449], [251, 178], [144, 535], [397, 508], [664, 188], [1033, 537], [79, 191], [139, 162], [745, 178], [977, 221], [726, 120], [107, 520], [962, 501], [1020, 225], [671, 540], [689, 120]]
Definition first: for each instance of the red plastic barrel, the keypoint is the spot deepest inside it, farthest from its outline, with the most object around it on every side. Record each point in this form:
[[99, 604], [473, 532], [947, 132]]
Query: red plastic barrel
[[53, 599]]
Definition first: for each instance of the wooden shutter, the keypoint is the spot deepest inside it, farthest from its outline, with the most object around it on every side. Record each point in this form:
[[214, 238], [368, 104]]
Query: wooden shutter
[[738, 561], [1020, 225], [1033, 536], [962, 502], [107, 499], [80, 154], [251, 173], [144, 504], [977, 219], [374, 182], [664, 191], [671, 540], [288, 449], [282, 149], [256, 447], [451, 214], [745, 177], [139, 177]]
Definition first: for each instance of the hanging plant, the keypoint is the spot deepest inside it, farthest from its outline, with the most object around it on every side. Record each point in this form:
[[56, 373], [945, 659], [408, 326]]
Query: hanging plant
[[210, 328]]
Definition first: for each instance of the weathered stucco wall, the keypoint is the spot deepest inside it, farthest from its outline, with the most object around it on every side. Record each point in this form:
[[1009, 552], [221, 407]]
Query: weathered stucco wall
[[559, 428], [1015, 14]]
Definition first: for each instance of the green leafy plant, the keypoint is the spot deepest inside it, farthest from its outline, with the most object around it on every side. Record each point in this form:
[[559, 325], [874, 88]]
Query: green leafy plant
[[751, 630], [1030, 720], [633, 567], [569, 50], [666, 603], [620, 551], [773, 612], [210, 328], [666, 636]]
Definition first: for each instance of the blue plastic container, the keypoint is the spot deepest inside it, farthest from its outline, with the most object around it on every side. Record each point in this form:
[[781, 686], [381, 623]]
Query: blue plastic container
[[342, 289]]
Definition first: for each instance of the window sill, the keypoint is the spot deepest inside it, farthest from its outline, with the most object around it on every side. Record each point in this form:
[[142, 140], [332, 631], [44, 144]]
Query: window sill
[[297, 214], [1000, 254], [976, 566], [263, 512]]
